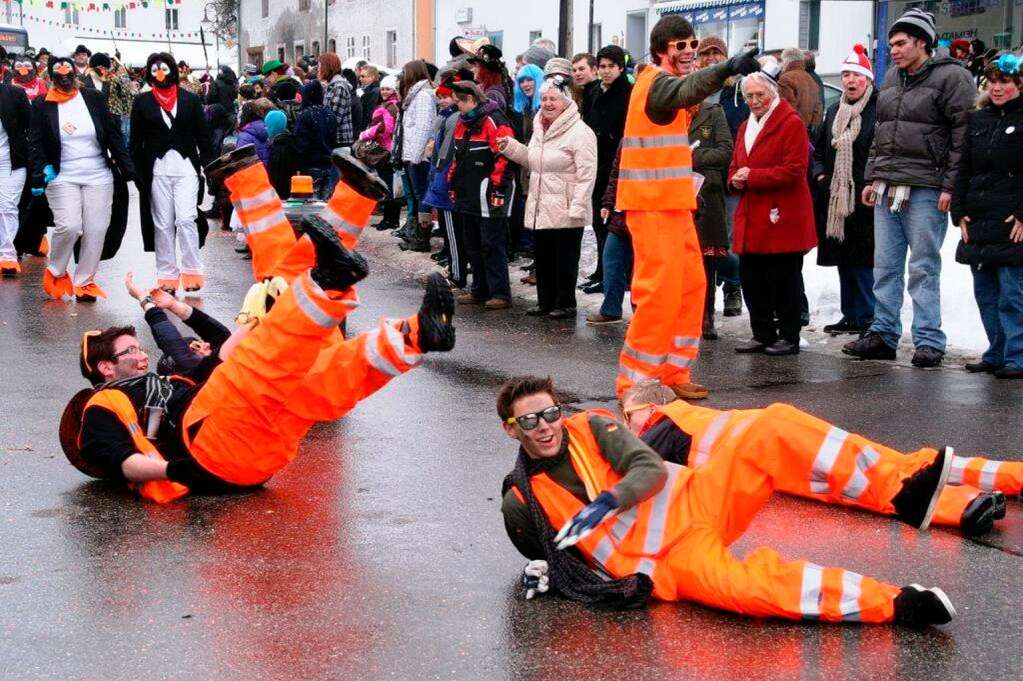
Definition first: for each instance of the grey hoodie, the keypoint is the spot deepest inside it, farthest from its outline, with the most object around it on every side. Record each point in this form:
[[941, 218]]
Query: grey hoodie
[[921, 125]]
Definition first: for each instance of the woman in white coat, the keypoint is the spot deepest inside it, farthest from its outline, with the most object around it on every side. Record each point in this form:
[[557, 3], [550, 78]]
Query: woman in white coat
[[562, 161]]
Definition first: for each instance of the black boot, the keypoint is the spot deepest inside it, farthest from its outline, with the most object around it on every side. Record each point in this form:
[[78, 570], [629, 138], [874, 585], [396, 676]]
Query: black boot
[[358, 175], [420, 241], [733, 300], [337, 268], [980, 514], [436, 333], [916, 606], [224, 166], [869, 346], [915, 502]]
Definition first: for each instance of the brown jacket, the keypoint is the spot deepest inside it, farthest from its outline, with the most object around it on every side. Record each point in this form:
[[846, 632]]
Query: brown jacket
[[798, 88]]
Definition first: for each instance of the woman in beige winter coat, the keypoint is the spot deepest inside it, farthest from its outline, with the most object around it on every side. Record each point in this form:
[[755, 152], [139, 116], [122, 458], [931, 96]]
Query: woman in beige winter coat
[[562, 162]]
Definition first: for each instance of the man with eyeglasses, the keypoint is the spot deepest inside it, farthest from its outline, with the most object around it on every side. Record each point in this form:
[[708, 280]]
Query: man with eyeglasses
[[239, 425], [657, 192], [604, 521]]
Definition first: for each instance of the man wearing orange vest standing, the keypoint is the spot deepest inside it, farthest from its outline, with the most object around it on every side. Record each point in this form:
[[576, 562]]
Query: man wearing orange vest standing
[[633, 526], [656, 191], [826, 463]]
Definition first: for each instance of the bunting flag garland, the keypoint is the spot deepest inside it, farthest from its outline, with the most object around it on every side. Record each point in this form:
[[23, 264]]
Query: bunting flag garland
[[96, 5]]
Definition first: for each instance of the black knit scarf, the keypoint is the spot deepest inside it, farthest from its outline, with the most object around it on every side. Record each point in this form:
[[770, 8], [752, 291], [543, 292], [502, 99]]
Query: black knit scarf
[[569, 575]]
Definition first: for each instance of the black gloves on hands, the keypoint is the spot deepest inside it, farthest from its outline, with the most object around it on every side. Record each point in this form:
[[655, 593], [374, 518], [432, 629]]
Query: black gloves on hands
[[745, 63]]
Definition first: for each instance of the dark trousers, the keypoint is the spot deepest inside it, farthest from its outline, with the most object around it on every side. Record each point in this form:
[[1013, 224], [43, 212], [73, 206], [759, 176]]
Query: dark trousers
[[516, 225], [599, 231], [772, 285], [419, 176], [556, 258], [486, 240], [451, 223], [392, 208], [856, 288]]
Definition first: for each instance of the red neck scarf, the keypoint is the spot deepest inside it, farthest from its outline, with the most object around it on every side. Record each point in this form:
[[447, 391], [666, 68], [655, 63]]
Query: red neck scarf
[[167, 98]]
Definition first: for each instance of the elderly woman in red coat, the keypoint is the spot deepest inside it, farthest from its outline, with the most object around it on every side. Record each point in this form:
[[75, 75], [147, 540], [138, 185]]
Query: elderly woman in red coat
[[774, 225]]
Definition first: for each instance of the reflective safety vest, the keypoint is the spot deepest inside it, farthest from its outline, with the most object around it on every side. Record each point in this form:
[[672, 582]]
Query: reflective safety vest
[[707, 427], [656, 167], [118, 403], [630, 542]]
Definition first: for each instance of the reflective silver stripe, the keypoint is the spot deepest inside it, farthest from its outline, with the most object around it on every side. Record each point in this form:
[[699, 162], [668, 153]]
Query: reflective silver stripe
[[656, 174], [397, 342], [337, 222], [618, 527], [679, 361], [260, 199], [849, 604], [647, 357], [959, 464], [311, 309], [858, 482], [810, 592], [987, 475], [484, 204], [655, 142], [632, 374], [654, 539], [646, 566], [708, 438], [263, 224], [378, 361], [825, 461], [685, 342]]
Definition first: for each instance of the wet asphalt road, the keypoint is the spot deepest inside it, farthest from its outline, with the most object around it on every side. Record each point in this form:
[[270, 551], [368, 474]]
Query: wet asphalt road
[[380, 553]]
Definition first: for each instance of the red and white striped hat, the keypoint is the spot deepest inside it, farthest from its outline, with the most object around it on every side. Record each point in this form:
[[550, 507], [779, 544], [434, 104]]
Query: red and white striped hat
[[857, 62]]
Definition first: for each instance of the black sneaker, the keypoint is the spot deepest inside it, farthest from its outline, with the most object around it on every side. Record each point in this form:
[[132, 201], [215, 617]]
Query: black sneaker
[[869, 346], [999, 498], [927, 357], [981, 367], [916, 606], [980, 515], [915, 502], [1009, 373], [337, 268], [841, 326], [358, 175], [436, 333], [224, 166]]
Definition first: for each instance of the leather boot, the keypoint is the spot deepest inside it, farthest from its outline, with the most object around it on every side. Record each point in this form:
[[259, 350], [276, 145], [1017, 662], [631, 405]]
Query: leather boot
[[420, 241]]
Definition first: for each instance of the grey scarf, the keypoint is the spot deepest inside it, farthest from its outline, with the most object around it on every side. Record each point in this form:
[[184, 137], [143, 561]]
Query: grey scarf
[[846, 129]]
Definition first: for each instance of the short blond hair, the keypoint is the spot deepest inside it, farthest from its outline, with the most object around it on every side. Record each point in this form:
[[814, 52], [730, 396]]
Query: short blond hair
[[649, 392]]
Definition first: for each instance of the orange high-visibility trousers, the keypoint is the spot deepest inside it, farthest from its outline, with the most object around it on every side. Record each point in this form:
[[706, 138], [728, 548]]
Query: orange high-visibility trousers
[[668, 288], [717, 504], [275, 249], [826, 463]]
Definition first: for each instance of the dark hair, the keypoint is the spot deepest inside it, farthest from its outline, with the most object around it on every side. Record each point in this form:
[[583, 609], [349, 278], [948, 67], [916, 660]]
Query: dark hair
[[612, 53], [352, 79], [522, 386], [98, 346], [412, 73], [667, 27], [167, 59], [591, 61], [99, 59]]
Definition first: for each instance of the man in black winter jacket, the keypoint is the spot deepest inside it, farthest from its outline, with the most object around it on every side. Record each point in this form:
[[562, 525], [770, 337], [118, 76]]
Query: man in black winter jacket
[[911, 172], [605, 113]]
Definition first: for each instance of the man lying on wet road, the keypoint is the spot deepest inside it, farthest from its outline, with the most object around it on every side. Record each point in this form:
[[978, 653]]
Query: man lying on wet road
[[633, 526]]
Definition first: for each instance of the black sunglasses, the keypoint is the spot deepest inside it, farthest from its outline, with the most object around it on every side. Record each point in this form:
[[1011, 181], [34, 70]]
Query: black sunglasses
[[531, 421], [681, 44]]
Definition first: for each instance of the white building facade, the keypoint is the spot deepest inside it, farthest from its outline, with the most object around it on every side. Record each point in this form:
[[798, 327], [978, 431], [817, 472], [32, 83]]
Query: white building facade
[[125, 26], [374, 30]]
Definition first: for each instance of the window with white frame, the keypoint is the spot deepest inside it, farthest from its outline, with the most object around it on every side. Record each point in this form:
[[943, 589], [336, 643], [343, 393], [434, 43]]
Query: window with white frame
[[809, 24], [365, 47], [350, 46], [171, 19], [392, 49], [265, 9], [332, 45], [316, 48], [299, 51], [71, 15], [534, 35], [120, 18]]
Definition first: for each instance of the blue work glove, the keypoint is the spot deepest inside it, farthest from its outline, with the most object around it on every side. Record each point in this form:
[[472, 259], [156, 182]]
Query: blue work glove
[[535, 578], [49, 174], [37, 191], [585, 521]]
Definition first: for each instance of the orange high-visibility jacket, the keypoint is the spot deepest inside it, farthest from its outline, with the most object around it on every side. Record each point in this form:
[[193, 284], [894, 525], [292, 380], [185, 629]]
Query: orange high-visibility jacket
[[634, 540], [118, 403], [656, 168]]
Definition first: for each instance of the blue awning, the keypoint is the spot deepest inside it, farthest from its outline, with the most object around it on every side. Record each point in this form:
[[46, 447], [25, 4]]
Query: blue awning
[[706, 11]]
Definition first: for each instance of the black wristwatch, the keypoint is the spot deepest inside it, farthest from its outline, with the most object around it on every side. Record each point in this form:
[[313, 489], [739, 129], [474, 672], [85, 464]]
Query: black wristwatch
[[148, 300]]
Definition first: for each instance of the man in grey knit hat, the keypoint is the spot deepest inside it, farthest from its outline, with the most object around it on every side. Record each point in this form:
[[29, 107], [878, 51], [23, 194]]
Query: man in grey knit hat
[[921, 126]]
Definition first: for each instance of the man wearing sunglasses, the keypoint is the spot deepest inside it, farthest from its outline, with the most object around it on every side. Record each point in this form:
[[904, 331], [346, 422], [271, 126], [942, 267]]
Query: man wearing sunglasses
[[633, 526], [657, 193]]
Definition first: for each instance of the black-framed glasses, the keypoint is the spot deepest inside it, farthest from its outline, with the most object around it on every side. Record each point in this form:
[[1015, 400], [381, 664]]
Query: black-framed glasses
[[531, 421], [681, 44], [130, 350]]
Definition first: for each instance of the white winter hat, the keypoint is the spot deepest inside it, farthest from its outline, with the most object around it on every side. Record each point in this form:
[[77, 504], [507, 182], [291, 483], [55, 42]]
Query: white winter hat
[[857, 62], [389, 82]]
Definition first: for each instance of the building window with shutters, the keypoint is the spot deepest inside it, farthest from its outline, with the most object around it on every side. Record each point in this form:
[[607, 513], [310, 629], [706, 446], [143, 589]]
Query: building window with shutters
[[365, 47], [350, 46], [70, 15], [120, 18], [265, 8], [171, 19], [809, 24], [392, 49]]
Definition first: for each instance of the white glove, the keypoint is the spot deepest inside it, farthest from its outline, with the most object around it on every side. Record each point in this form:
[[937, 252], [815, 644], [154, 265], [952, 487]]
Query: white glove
[[535, 578]]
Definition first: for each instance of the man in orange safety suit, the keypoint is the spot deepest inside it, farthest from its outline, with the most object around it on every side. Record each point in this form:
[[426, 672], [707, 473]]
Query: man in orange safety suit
[[825, 462], [639, 526], [240, 425], [657, 193]]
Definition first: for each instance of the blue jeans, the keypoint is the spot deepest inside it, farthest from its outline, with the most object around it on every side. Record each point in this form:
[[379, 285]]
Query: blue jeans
[[126, 131], [999, 294], [920, 228], [418, 175], [617, 271], [856, 288]]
